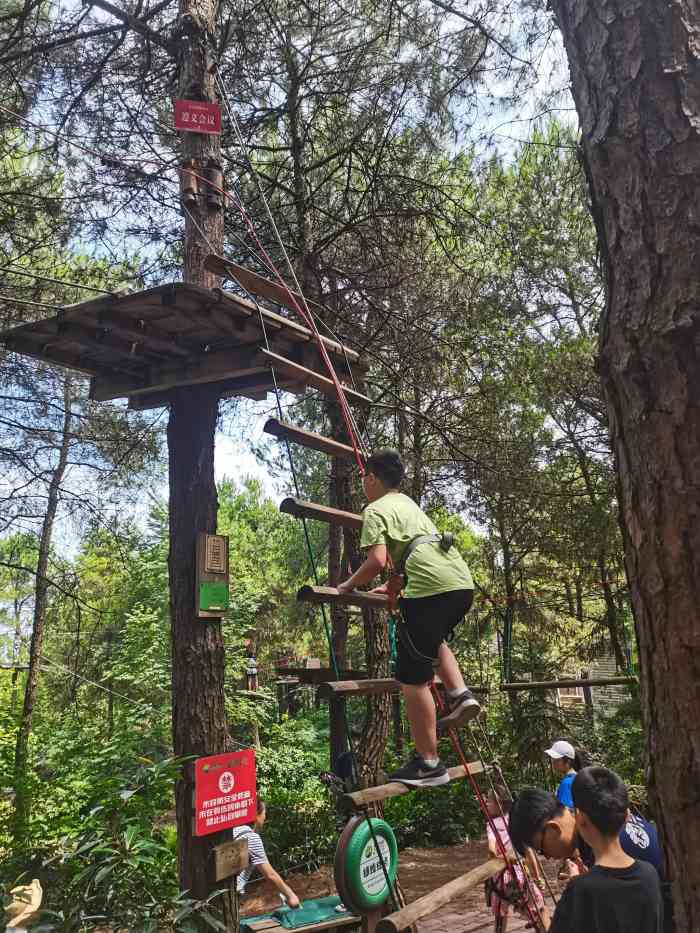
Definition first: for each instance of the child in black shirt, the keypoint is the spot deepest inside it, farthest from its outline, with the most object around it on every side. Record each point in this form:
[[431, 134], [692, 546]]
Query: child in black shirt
[[618, 894]]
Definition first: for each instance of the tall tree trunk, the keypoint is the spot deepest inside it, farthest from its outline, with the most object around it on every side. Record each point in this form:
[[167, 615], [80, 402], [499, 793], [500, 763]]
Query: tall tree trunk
[[199, 714], [41, 591], [635, 76], [198, 657], [16, 650]]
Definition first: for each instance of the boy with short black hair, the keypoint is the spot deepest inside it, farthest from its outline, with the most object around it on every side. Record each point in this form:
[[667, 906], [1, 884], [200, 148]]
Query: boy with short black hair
[[437, 593], [618, 894]]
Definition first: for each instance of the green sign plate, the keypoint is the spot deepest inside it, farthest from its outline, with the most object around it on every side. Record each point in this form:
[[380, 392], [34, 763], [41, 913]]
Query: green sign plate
[[213, 597]]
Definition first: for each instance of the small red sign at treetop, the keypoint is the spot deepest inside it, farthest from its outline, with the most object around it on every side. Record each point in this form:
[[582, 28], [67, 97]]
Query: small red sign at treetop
[[224, 791], [197, 116]]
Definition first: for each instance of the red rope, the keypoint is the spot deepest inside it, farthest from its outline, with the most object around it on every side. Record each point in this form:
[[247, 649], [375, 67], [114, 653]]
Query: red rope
[[524, 885]]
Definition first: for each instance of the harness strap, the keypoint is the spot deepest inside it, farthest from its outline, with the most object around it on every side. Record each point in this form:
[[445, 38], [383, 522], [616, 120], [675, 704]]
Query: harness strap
[[445, 540]]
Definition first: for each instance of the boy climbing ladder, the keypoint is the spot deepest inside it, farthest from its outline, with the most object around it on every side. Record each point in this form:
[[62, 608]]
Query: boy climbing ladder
[[437, 593]]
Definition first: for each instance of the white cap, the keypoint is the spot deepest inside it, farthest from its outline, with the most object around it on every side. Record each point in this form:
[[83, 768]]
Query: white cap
[[561, 750]]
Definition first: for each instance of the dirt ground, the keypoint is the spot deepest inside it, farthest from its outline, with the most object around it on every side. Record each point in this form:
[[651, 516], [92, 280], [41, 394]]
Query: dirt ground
[[420, 871]]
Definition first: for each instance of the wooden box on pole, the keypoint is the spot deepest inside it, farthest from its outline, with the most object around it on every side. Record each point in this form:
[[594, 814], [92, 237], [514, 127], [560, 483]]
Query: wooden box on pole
[[211, 582]]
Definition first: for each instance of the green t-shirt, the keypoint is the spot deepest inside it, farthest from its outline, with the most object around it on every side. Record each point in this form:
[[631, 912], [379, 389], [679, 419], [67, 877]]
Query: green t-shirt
[[395, 520]]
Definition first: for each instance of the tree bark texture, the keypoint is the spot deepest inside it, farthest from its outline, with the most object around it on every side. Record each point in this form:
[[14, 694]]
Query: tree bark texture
[[204, 222], [199, 715], [635, 68], [41, 595]]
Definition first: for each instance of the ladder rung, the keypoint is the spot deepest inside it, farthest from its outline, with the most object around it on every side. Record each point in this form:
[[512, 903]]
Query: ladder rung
[[310, 377], [288, 432], [362, 798], [427, 905], [329, 594], [322, 513], [362, 688]]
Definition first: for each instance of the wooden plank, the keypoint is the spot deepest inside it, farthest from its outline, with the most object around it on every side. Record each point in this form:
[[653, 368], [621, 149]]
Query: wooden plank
[[289, 432], [258, 284], [107, 343], [362, 798], [345, 688], [569, 682], [429, 903], [209, 367], [329, 594], [322, 513], [311, 378], [230, 858]]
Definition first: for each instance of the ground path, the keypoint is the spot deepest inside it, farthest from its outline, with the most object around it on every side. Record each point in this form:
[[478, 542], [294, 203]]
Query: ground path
[[420, 871]]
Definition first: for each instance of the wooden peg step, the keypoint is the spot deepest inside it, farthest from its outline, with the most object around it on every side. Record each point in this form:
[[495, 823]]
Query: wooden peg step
[[329, 594], [322, 513], [289, 432], [310, 377], [362, 798]]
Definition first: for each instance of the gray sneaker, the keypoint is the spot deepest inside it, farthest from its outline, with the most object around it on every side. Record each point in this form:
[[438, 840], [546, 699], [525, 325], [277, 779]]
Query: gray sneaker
[[461, 709], [416, 773]]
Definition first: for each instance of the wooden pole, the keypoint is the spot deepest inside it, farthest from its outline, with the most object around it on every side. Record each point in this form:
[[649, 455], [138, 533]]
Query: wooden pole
[[427, 905]]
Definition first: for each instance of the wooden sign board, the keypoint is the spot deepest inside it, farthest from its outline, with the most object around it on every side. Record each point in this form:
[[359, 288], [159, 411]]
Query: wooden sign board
[[230, 858], [211, 584]]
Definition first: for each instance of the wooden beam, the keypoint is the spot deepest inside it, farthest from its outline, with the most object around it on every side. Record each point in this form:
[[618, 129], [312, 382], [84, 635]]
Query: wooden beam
[[289, 432], [209, 367], [329, 594], [362, 687], [345, 688], [311, 378], [362, 798], [140, 331], [317, 675], [97, 338], [572, 682], [321, 513], [427, 905]]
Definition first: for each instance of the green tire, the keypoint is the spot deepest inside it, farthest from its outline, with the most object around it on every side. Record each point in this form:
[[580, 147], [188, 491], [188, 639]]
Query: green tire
[[359, 874]]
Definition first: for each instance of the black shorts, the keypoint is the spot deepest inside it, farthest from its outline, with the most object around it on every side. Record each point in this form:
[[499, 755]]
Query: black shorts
[[427, 622]]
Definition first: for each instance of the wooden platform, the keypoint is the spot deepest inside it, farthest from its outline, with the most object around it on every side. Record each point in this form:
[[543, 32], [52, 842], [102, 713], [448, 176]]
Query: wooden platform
[[141, 346]]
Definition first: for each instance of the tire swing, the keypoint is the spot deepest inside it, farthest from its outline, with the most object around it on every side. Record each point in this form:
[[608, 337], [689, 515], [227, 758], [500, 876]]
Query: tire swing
[[359, 875]]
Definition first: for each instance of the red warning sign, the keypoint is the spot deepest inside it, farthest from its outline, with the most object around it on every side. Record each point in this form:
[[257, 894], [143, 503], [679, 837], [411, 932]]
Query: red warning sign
[[197, 116], [224, 791]]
